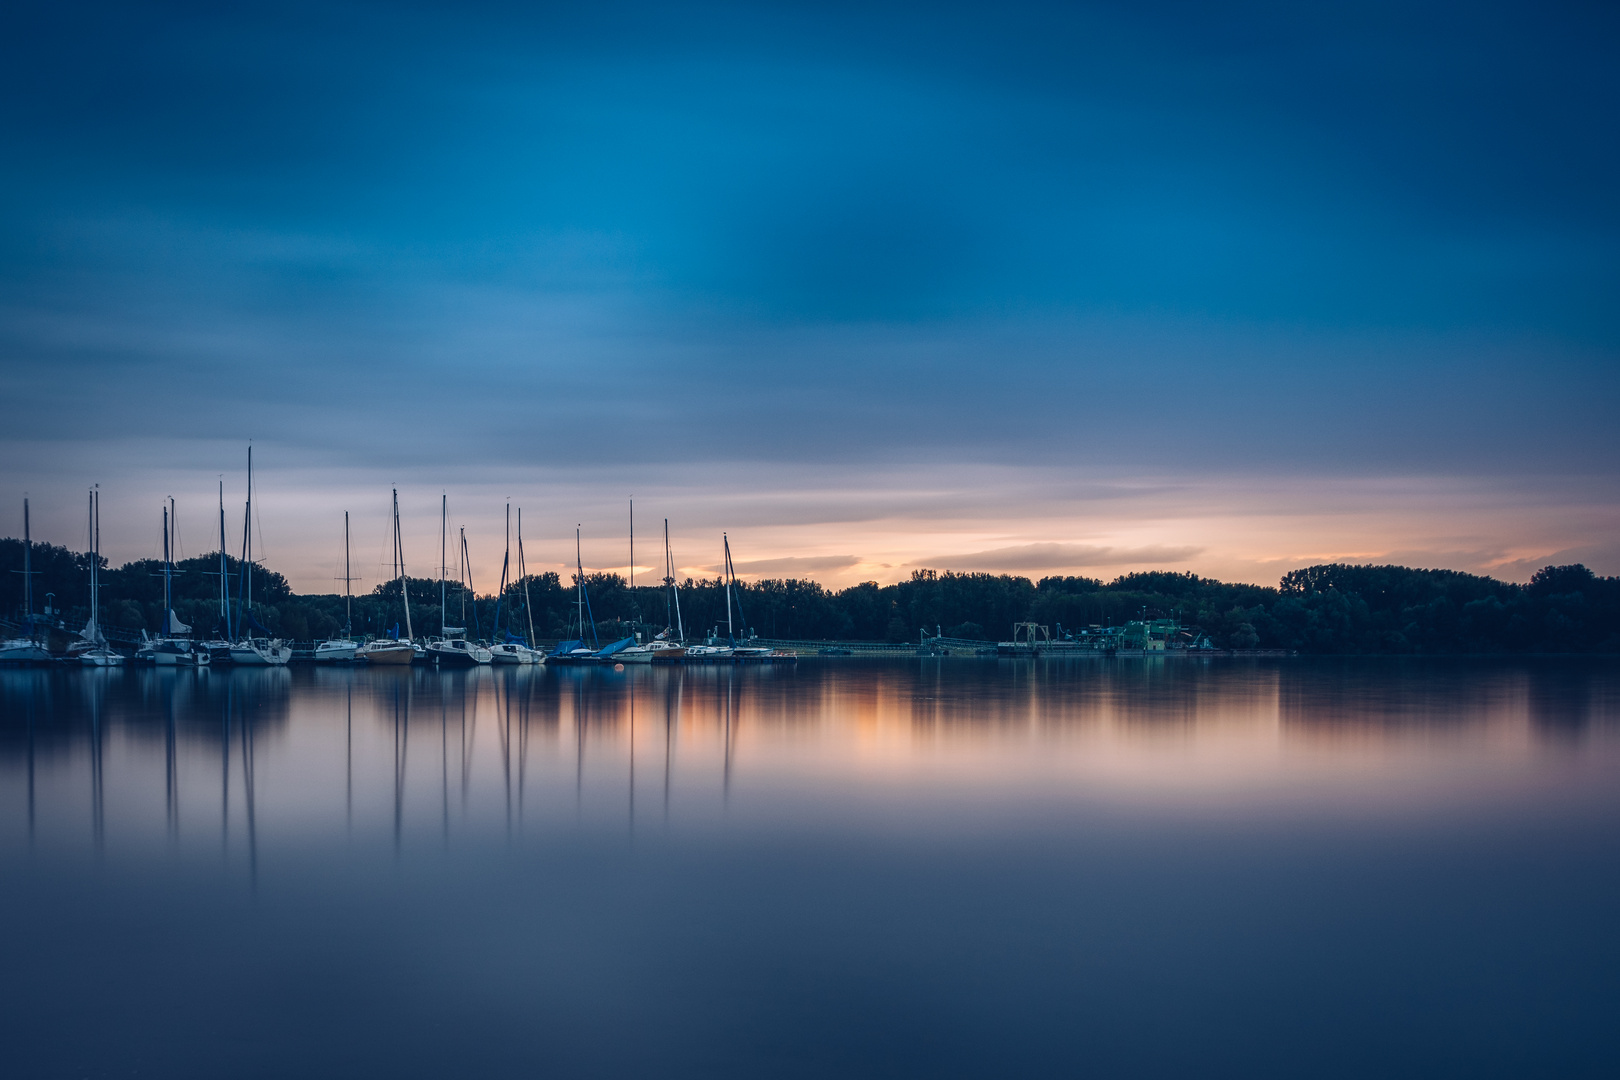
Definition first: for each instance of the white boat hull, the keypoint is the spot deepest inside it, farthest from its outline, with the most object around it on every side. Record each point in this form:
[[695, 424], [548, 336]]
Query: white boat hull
[[270, 654], [331, 652], [23, 651]]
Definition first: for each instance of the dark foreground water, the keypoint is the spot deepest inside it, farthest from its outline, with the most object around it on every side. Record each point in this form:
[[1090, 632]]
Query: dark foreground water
[[858, 868]]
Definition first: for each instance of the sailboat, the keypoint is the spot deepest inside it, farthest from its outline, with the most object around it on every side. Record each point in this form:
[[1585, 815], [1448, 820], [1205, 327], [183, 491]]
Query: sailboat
[[341, 649], [219, 646], [394, 650], [511, 650], [573, 651], [261, 651], [669, 645], [96, 651], [27, 649], [452, 647], [173, 646]]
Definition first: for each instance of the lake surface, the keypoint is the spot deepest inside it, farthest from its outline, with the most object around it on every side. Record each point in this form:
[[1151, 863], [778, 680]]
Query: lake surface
[[855, 868]]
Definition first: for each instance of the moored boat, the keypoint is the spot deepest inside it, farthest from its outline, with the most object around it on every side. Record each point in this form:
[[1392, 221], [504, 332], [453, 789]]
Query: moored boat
[[344, 649]]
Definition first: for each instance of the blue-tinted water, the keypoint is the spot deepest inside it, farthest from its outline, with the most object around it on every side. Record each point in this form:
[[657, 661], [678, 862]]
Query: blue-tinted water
[[855, 868]]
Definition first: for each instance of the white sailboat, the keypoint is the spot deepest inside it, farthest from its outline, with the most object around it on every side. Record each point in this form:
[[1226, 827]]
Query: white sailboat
[[259, 650], [173, 646], [26, 649], [96, 652], [669, 646], [219, 647], [452, 646], [394, 650], [511, 651], [341, 649]]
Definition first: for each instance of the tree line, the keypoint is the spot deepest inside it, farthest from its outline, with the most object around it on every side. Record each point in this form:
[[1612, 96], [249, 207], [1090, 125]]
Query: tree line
[[1328, 609]]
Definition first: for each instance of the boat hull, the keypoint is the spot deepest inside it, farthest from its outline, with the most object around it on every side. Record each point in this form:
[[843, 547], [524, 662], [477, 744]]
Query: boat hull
[[335, 652], [389, 654], [24, 652], [458, 657], [260, 656]]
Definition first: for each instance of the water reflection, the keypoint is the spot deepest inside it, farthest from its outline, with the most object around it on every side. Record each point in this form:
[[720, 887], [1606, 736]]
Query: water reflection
[[1002, 726], [859, 869]]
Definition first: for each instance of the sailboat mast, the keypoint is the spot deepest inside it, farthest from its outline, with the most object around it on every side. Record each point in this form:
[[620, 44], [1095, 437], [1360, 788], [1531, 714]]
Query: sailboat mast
[[91, 538], [444, 553], [674, 590], [465, 575], [399, 561], [168, 572], [248, 567], [348, 602], [224, 583], [523, 573], [579, 582], [730, 631], [506, 562], [28, 570]]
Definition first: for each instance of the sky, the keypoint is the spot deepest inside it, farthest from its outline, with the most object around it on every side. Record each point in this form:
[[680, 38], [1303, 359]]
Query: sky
[[1028, 288]]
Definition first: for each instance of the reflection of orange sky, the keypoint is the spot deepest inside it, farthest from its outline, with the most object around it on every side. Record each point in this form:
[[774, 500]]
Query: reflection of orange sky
[[843, 738], [1142, 729]]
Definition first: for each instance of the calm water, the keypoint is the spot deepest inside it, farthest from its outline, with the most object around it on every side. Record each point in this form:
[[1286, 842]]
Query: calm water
[[858, 868]]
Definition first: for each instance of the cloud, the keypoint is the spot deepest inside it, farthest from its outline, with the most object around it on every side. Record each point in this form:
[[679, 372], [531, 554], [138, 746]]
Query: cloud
[[1059, 557], [792, 566]]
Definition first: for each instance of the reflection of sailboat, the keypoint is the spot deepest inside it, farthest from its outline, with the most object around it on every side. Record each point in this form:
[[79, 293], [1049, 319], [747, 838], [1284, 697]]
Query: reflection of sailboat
[[393, 650], [26, 650], [95, 651], [341, 648]]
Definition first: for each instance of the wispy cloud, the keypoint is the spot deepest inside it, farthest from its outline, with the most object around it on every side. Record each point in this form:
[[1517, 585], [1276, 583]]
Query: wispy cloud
[[1059, 557], [792, 566]]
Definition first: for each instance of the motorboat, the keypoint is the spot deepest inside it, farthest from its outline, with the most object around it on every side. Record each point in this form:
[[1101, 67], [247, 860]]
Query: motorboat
[[514, 652], [660, 650], [457, 651], [24, 651], [386, 651], [261, 652], [572, 652], [339, 650]]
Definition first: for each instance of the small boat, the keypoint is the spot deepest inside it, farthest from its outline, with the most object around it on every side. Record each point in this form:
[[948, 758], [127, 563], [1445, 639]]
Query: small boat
[[173, 646], [26, 650], [456, 651], [394, 650], [660, 650], [574, 651], [451, 648], [386, 651], [261, 651], [341, 650], [514, 652]]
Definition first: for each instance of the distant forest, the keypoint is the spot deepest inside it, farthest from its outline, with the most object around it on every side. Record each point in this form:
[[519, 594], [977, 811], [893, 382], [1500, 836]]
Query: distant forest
[[1333, 609]]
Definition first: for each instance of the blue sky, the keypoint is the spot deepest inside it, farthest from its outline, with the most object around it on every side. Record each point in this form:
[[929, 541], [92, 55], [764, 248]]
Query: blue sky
[[1032, 287]]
